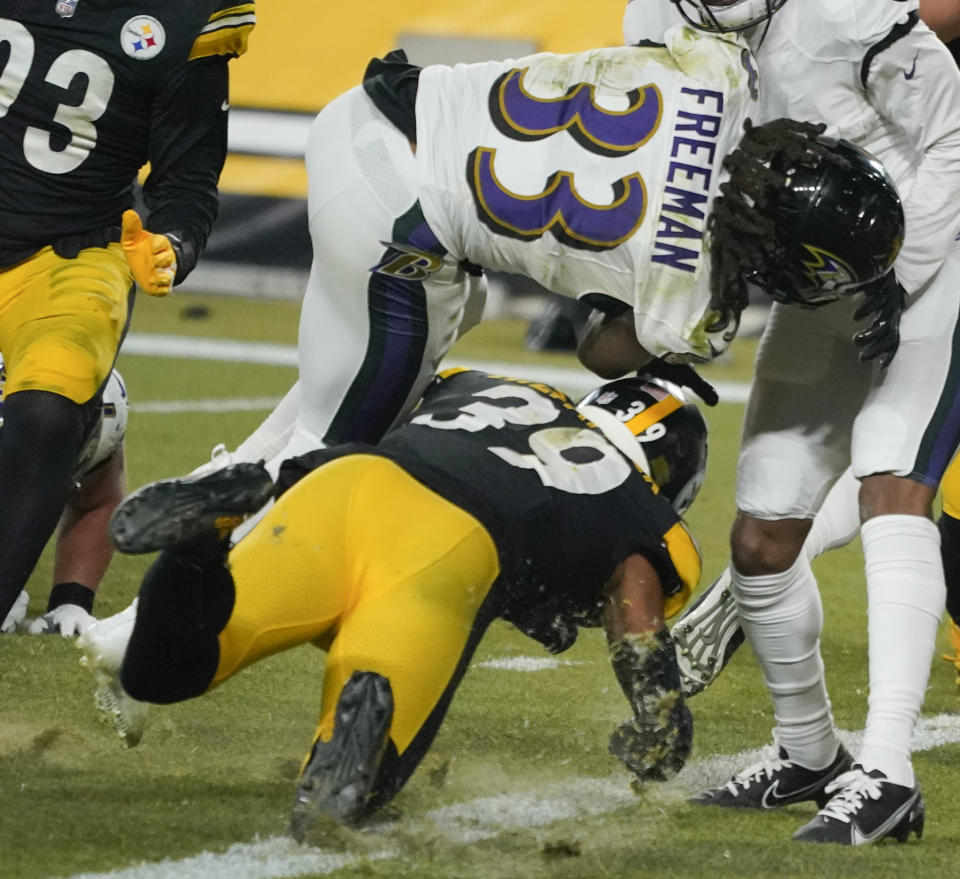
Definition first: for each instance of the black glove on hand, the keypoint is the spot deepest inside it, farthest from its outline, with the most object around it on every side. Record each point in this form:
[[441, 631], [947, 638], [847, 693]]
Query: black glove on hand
[[884, 303], [681, 374]]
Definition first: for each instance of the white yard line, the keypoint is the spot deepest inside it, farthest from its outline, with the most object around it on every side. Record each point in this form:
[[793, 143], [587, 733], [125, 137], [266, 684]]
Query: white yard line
[[478, 819], [574, 380], [525, 663], [227, 404]]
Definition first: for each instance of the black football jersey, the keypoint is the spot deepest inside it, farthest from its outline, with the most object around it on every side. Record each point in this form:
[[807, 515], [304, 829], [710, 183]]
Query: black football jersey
[[563, 504], [90, 91]]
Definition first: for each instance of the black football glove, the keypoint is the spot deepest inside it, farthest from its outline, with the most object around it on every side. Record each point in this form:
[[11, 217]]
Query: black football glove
[[681, 374], [884, 302]]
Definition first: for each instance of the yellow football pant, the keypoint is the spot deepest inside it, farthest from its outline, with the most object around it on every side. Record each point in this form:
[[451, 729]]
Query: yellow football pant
[[950, 486], [62, 320], [382, 572]]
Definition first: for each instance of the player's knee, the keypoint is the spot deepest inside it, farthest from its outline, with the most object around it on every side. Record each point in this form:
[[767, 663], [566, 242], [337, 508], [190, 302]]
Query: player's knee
[[759, 547], [42, 419]]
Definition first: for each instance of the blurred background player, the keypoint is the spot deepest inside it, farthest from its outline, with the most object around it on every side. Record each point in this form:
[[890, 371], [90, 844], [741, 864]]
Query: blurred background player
[[566, 528], [91, 93], [878, 76], [83, 547]]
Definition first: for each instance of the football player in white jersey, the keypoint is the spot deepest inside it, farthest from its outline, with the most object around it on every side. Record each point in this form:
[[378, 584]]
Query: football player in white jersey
[[593, 174], [83, 548], [879, 77]]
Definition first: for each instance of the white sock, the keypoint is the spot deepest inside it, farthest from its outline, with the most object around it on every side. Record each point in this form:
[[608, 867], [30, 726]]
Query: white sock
[[274, 431], [782, 617], [838, 520], [905, 600]]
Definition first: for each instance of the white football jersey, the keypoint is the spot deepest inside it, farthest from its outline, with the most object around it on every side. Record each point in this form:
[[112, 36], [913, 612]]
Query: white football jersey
[[591, 173], [892, 89]]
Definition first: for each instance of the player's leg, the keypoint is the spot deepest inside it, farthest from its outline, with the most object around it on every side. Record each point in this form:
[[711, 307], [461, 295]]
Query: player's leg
[[274, 431], [795, 444], [166, 646], [949, 527], [401, 650], [267, 440], [900, 470], [708, 633], [62, 322], [384, 300]]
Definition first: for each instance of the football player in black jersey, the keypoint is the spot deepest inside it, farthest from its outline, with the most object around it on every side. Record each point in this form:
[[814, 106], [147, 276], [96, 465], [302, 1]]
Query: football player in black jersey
[[90, 92], [496, 498]]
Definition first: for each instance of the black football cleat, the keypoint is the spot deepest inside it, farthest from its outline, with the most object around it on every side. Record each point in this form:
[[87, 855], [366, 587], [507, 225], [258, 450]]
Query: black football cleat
[[178, 512], [706, 636], [776, 781], [337, 780], [866, 808]]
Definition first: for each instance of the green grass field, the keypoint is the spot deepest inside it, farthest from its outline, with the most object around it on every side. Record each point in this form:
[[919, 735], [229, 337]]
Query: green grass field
[[519, 782]]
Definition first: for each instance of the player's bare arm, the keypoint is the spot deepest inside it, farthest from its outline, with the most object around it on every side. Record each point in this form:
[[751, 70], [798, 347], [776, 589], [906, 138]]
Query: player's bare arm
[[942, 17], [655, 743], [609, 347]]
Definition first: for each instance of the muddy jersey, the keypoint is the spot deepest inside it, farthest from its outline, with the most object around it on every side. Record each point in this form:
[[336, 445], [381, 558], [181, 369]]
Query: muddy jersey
[[562, 504], [90, 91], [590, 173]]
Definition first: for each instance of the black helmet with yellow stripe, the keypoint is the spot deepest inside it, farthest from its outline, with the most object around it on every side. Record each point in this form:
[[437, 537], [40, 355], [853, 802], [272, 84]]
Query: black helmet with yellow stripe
[[649, 420]]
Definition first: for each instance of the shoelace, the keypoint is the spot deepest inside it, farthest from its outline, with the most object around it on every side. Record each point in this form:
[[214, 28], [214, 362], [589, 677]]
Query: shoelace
[[854, 787], [218, 451], [766, 765]]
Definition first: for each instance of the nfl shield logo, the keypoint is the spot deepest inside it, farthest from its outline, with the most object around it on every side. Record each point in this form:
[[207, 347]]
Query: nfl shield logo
[[66, 8]]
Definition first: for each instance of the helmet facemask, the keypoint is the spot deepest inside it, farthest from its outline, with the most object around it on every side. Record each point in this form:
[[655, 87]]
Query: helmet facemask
[[723, 18]]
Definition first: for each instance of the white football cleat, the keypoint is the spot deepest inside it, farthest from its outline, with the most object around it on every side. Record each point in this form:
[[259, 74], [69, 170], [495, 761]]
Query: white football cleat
[[707, 635], [103, 645], [16, 615]]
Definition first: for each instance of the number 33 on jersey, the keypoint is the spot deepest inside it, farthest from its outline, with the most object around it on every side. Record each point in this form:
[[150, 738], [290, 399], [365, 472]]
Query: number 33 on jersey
[[591, 172]]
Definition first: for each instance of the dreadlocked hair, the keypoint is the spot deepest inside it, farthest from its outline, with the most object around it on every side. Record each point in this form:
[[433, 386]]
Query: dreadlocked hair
[[742, 222]]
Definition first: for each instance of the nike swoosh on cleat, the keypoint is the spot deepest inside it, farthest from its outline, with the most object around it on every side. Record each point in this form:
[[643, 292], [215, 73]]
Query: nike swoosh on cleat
[[773, 799]]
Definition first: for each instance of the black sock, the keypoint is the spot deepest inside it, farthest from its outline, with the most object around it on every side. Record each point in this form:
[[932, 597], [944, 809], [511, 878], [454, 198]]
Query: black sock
[[71, 593], [173, 651], [950, 553]]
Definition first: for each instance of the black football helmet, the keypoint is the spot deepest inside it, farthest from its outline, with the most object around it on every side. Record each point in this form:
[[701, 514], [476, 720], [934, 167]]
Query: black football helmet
[[649, 421], [838, 228], [722, 18]]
